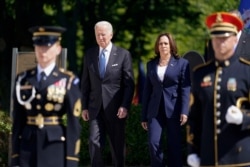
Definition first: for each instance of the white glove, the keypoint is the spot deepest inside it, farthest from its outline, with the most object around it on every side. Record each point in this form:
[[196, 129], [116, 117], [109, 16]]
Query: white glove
[[234, 115], [193, 160]]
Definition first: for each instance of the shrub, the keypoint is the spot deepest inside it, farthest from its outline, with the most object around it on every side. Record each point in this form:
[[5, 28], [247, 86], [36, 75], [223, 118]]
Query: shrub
[[5, 128]]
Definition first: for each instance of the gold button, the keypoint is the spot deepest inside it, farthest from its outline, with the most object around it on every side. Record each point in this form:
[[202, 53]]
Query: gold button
[[218, 113], [49, 107], [38, 96], [216, 64], [227, 62], [38, 107]]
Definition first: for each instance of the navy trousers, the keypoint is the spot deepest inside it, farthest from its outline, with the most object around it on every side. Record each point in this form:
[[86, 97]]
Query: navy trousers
[[171, 126]]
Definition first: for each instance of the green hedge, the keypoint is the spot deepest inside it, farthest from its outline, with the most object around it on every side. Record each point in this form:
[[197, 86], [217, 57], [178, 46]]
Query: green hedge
[[137, 153]]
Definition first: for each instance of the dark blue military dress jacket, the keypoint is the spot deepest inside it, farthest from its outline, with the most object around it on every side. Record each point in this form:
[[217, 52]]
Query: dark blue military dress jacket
[[217, 86], [46, 129]]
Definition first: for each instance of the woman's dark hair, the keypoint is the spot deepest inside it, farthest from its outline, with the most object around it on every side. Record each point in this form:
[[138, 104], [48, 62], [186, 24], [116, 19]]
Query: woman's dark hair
[[173, 46]]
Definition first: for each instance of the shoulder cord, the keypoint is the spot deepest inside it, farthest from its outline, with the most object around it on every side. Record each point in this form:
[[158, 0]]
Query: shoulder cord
[[18, 85]]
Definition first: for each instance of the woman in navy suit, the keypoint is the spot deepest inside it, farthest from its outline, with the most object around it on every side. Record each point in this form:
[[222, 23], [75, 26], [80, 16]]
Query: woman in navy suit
[[165, 103]]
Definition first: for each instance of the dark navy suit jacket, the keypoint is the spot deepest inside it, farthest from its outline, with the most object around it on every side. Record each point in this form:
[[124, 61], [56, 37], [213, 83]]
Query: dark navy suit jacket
[[175, 89], [115, 90]]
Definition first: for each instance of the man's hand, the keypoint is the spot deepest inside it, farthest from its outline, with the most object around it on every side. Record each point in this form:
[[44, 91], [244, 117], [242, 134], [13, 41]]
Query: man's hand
[[122, 112], [234, 115], [85, 115]]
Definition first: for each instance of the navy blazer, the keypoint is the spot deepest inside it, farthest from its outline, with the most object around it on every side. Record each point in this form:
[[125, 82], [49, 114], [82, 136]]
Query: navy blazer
[[175, 89], [115, 90]]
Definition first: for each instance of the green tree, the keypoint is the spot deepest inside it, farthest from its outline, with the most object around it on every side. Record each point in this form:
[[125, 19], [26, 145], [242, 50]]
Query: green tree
[[136, 25]]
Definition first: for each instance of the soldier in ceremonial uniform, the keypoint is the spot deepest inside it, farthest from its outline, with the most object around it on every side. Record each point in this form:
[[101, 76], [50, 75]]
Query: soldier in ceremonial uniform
[[43, 96], [219, 128]]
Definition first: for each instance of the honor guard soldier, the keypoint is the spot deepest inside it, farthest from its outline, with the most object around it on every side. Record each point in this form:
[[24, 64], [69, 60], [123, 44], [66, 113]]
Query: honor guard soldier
[[218, 131], [47, 106]]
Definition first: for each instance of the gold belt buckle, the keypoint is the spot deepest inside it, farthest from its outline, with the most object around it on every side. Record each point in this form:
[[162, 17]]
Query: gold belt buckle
[[39, 121]]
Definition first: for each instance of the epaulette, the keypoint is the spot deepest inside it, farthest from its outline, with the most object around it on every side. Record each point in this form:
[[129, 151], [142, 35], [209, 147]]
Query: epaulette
[[201, 65], [244, 60], [32, 72], [22, 73], [27, 72], [70, 73]]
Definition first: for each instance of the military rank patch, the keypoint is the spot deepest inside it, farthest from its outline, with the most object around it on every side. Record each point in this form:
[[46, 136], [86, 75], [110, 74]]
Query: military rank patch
[[231, 84], [77, 108]]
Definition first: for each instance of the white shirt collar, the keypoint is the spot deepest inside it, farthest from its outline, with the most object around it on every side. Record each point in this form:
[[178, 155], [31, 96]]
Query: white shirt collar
[[47, 70], [108, 48]]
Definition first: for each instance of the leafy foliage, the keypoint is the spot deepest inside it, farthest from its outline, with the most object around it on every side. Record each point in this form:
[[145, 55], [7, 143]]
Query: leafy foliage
[[136, 25], [5, 128]]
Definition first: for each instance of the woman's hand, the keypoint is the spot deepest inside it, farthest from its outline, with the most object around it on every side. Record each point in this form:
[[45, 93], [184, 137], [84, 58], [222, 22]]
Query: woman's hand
[[183, 119], [144, 125]]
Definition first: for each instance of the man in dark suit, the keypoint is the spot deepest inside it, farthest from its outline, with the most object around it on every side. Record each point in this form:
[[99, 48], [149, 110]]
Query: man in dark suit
[[42, 96], [107, 90]]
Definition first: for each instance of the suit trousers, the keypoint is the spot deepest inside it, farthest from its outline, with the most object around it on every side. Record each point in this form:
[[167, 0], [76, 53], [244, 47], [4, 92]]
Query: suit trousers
[[114, 129], [157, 126]]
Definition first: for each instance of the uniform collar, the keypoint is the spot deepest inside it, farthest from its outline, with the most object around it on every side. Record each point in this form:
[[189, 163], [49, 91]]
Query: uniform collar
[[47, 70], [225, 63]]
